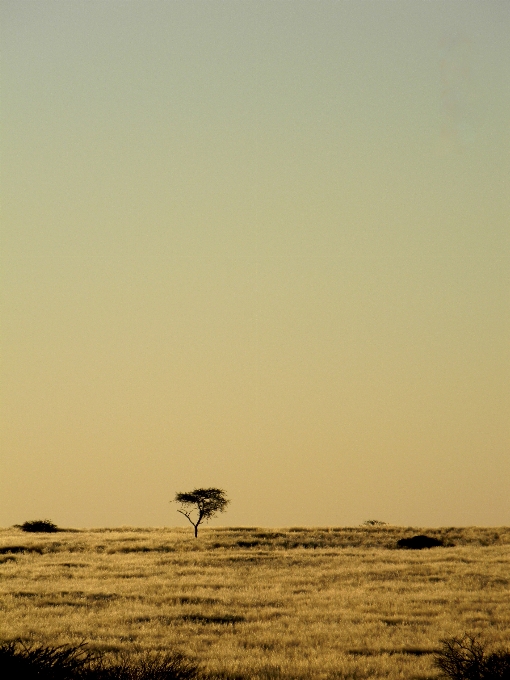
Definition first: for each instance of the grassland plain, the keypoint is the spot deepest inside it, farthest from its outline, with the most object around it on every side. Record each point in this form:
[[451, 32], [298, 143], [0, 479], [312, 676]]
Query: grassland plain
[[260, 603]]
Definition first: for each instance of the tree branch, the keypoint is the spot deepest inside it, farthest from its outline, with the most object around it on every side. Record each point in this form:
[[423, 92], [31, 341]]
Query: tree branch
[[186, 514]]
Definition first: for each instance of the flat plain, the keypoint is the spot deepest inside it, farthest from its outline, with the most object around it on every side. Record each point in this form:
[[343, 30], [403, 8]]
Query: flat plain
[[266, 604]]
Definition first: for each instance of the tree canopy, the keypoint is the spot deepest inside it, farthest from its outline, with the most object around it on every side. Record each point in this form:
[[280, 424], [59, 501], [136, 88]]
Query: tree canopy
[[203, 503]]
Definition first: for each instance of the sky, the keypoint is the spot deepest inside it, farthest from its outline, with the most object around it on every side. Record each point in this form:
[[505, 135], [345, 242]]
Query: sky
[[262, 246]]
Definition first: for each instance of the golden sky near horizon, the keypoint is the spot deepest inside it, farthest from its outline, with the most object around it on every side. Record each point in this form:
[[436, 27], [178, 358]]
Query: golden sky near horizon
[[256, 245]]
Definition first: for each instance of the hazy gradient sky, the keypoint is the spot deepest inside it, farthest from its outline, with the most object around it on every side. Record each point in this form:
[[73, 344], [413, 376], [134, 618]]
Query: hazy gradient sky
[[257, 245]]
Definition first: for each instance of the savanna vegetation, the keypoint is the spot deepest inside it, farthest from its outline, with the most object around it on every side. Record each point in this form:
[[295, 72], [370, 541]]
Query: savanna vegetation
[[257, 603]]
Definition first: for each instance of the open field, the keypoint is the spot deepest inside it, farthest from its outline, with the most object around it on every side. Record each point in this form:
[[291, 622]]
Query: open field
[[260, 603]]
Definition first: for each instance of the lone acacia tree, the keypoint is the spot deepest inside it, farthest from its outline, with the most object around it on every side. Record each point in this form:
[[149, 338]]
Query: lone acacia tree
[[205, 502]]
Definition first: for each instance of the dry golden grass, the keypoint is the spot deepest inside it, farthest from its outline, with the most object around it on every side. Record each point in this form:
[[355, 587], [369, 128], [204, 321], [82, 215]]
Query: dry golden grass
[[259, 603]]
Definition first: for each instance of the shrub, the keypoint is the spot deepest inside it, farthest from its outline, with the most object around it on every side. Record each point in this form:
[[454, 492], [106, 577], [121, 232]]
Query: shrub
[[419, 542], [39, 525], [67, 662], [31, 661], [467, 658]]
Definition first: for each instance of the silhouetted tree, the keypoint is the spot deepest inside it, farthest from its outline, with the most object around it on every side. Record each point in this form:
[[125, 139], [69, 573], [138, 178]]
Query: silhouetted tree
[[204, 502]]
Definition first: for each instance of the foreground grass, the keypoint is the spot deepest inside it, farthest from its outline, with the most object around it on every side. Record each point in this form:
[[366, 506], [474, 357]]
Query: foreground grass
[[258, 603]]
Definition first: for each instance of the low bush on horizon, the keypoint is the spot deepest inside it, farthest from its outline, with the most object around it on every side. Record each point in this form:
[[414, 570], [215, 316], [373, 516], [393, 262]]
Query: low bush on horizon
[[43, 526]]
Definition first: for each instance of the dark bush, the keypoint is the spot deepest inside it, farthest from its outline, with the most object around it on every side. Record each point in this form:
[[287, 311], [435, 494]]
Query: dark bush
[[67, 662], [40, 526], [467, 658], [419, 542], [31, 661]]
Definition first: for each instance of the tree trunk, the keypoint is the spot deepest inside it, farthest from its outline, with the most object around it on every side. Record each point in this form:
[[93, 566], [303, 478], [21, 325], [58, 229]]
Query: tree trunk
[[196, 530]]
